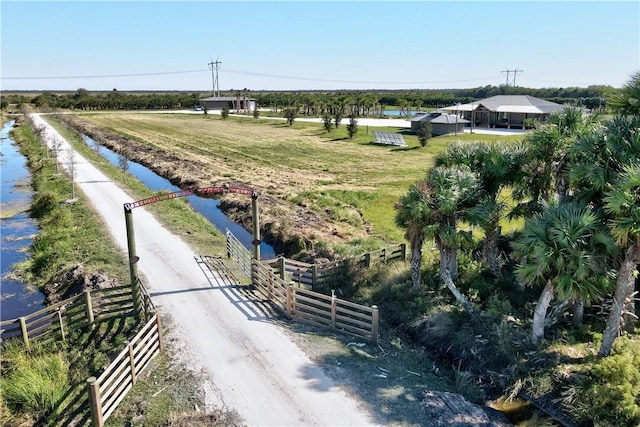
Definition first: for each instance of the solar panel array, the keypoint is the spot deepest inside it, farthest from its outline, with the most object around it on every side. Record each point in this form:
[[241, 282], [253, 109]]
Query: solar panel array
[[388, 138]]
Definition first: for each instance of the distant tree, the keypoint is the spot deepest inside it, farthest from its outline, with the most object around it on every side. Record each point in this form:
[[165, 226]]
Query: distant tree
[[123, 163], [326, 121], [352, 128], [71, 166], [225, 112], [290, 114], [256, 114], [424, 132], [338, 114]]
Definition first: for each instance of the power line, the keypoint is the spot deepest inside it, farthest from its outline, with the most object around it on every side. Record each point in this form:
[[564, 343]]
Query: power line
[[102, 76]]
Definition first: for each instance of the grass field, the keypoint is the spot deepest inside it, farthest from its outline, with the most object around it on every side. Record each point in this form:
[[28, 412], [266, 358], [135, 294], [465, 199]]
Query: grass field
[[348, 186]]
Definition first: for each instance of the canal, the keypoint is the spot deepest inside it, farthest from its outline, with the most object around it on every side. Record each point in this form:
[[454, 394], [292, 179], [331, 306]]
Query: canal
[[16, 228], [209, 208]]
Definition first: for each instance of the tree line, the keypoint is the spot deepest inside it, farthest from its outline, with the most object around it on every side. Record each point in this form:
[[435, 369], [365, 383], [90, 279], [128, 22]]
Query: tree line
[[362, 103]]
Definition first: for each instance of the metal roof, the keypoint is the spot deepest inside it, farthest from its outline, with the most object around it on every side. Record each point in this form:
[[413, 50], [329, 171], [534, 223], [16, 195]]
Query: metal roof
[[226, 98], [440, 118], [511, 104]]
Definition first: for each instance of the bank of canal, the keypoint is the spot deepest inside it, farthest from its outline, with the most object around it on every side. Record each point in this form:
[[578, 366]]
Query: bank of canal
[[206, 207], [17, 229]]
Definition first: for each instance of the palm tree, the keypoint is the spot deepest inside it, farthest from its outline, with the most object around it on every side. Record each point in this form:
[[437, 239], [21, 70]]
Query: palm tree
[[412, 214], [496, 166], [598, 162], [622, 202], [628, 102], [565, 249], [433, 209]]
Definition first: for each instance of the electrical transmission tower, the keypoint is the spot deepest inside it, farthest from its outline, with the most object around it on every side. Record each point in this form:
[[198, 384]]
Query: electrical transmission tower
[[515, 73], [215, 66]]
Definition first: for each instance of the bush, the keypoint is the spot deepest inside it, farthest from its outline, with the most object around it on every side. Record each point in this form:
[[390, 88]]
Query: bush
[[611, 395]]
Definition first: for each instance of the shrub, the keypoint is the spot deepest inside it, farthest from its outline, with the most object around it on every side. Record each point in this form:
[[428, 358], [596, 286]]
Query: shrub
[[612, 393]]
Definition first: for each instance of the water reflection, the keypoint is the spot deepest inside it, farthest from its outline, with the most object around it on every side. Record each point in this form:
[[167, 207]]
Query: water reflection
[[17, 230], [205, 207]]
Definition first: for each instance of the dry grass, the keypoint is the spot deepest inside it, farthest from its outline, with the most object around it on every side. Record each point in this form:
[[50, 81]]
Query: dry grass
[[321, 186]]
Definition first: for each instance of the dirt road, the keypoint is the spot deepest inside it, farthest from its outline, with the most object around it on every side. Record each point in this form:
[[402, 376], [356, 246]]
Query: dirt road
[[247, 361]]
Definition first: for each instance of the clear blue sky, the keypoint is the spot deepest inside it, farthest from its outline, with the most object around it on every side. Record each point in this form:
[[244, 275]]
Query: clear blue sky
[[316, 45]]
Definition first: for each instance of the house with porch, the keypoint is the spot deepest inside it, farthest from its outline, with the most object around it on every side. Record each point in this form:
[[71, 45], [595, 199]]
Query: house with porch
[[505, 111]]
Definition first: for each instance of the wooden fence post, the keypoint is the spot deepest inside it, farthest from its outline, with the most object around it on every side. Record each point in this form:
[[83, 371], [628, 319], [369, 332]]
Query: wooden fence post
[[89, 308], [132, 362], [374, 325], [64, 339], [283, 268], [403, 251], [159, 326], [367, 260], [94, 402], [299, 277], [333, 308], [23, 330], [289, 301]]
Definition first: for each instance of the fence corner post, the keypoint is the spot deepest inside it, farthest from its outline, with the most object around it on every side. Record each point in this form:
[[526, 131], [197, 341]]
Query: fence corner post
[[290, 301], [403, 251], [89, 308], [23, 331], [94, 402], [283, 268], [375, 318], [367, 260]]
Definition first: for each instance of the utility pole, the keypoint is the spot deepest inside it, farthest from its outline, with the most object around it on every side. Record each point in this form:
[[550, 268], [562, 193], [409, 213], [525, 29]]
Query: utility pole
[[515, 73], [506, 71], [215, 66]]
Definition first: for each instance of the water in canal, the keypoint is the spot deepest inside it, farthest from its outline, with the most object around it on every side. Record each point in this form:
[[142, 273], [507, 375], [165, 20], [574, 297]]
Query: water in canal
[[205, 207], [17, 229]]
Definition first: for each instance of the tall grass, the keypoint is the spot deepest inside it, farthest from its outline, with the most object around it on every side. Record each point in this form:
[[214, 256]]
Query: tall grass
[[33, 382]]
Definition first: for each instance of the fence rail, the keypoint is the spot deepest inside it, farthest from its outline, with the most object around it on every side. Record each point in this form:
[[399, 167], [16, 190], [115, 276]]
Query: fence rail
[[312, 275], [108, 390], [57, 320], [314, 307], [237, 252]]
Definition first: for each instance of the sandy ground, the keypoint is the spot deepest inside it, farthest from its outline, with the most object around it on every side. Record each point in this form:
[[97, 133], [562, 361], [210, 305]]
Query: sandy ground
[[247, 362]]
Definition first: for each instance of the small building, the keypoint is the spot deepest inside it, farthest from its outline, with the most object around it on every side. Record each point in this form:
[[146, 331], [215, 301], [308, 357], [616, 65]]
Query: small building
[[441, 123], [506, 111], [233, 103]]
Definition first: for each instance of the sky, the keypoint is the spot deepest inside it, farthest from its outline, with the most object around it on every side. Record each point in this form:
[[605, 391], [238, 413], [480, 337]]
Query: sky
[[316, 45]]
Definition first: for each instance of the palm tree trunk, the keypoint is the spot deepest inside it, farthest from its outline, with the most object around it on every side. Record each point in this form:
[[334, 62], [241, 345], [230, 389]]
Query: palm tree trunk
[[445, 275], [629, 318], [540, 313], [625, 282], [491, 249], [578, 312], [416, 262]]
